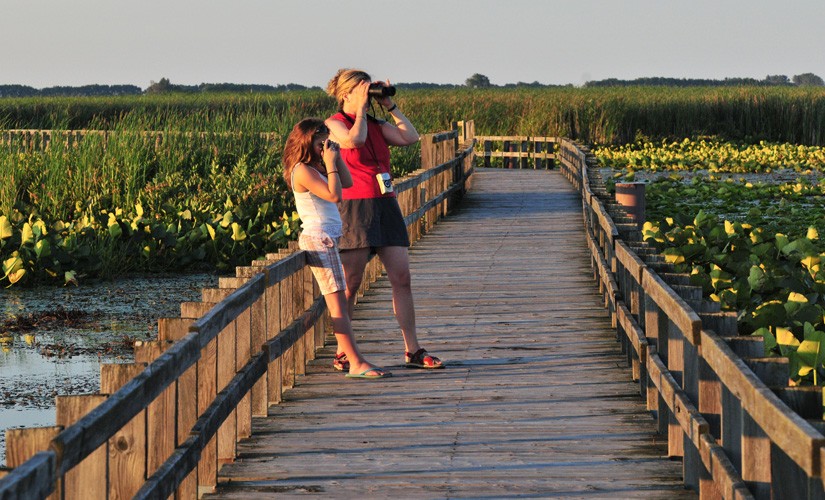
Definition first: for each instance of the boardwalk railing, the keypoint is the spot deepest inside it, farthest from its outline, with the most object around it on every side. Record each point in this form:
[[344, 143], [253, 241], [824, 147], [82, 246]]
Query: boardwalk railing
[[537, 152], [726, 409], [165, 424]]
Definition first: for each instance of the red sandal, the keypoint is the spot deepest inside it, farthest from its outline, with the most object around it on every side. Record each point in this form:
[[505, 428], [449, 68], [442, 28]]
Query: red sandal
[[420, 359], [340, 362]]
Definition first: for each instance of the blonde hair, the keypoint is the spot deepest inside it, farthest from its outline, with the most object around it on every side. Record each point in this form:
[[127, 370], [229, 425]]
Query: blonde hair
[[344, 81]]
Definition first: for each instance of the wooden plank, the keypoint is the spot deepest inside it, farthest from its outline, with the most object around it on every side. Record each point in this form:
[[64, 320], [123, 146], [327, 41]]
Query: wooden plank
[[675, 368], [273, 321], [785, 428], [186, 387], [226, 363], [674, 306], [127, 447], [288, 356], [690, 421], [298, 308], [220, 315], [32, 479], [160, 415], [634, 334], [207, 389], [727, 483], [756, 457], [87, 479], [535, 423], [22, 444], [244, 353]]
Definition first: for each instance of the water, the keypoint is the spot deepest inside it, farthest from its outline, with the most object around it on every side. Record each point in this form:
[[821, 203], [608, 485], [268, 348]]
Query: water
[[74, 330]]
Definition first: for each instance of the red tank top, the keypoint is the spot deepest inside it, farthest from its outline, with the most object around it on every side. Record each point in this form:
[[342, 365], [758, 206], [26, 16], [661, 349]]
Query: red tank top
[[365, 162]]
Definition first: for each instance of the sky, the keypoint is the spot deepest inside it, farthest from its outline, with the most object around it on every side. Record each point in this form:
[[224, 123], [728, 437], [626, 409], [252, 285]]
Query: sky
[[80, 42]]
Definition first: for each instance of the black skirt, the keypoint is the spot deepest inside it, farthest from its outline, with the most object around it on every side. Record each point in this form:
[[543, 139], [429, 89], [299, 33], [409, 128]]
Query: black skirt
[[372, 223]]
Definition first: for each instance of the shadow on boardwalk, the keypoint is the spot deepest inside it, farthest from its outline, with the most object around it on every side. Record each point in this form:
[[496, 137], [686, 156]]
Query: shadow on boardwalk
[[535, 401]]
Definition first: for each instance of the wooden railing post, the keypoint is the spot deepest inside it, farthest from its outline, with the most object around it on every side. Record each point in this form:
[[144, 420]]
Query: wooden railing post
[[488, 152], [243, 354], [525, 154], [207, 389], [88, 478], [127, 447], [259, 401], [186, 389], [275, 368], [160, 415], [226, 362], [22, 444]]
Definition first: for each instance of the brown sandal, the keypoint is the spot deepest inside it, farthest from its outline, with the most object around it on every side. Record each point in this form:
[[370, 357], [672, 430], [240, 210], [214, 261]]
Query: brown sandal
[[420, 359], [340, 362]]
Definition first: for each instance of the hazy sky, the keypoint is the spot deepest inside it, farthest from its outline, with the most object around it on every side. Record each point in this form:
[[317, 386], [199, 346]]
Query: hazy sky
[[77, 42]]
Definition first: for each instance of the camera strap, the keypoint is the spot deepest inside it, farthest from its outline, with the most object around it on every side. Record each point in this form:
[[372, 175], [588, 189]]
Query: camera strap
[[368, 143]]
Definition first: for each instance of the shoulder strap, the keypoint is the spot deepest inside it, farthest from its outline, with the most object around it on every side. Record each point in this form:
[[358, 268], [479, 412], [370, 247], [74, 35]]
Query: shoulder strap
[[370, 118]]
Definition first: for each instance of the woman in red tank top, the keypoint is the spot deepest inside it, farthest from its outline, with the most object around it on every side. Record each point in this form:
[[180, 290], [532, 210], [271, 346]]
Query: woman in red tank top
[[372, 220]]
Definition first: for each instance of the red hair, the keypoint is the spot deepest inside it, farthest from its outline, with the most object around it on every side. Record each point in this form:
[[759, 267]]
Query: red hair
[[298, 147]]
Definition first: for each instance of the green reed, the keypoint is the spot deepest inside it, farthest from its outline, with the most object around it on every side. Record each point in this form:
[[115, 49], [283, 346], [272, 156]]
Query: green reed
[[152, 140]]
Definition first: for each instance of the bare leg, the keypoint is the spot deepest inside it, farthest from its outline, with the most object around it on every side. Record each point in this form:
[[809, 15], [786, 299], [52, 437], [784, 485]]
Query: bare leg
[[354, 262], [342, 327], [397, 263]]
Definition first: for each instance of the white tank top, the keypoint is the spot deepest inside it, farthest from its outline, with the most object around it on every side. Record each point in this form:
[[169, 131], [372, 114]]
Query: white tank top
[[317, 214]]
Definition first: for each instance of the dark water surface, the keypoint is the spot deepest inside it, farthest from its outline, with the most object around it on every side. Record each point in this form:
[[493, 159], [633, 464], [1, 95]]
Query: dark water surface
[[72, 330]]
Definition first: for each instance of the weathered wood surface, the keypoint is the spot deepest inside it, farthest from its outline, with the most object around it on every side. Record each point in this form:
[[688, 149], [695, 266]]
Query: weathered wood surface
[[536, 398]]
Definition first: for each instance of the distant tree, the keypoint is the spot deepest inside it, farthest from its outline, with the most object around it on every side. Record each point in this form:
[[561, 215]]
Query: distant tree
[[477, 81], [159, 87], [777, 80], [660, 81], [808, 79], [17, 91], [425, 85], [90, 90]]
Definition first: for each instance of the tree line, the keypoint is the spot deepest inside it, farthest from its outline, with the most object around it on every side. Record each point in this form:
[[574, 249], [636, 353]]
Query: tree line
[[770, 80], [67, 91], [161, 86], [477, 80], [481, 81]]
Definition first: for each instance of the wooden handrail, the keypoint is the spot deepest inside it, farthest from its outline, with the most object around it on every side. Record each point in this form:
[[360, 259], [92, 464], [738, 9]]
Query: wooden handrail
[[285, 284], [736, 435], [518, 151]]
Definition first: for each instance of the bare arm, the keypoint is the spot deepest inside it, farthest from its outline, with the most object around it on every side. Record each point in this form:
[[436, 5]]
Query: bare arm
[[338, 176], [402, 133], [356, 136], [343, 172]]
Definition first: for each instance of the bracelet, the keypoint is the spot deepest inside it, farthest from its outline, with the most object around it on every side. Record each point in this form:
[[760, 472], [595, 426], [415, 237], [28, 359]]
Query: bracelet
[[392, 108], [333, 172]]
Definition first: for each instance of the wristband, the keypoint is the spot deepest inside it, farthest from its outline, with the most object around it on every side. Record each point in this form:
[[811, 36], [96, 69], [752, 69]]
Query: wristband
[[392, 108]]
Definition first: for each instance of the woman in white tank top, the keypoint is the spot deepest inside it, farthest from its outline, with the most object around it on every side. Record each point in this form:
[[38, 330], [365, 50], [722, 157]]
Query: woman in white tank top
[[316, 174]]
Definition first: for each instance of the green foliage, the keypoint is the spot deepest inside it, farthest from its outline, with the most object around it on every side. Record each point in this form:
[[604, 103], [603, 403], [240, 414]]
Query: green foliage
[[613, 115], [768, 270], [110, 243], [711, 154], [477, 81]]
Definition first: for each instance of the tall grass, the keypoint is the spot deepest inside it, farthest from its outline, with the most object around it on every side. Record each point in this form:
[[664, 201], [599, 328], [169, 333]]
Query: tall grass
[[190, 160], [620, 115], [599, 115], [202, 134]]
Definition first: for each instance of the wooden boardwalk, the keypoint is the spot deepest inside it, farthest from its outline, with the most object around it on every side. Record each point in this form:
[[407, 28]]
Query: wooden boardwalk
[[535, 401]]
